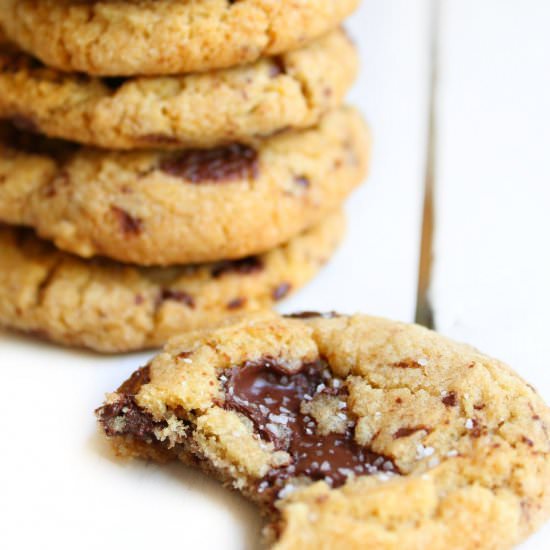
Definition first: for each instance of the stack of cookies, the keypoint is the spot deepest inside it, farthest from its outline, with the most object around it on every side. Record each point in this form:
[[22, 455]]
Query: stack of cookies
[[182, 160]]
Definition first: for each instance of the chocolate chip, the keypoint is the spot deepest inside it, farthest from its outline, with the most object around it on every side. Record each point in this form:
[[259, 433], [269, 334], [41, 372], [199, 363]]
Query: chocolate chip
[[407, 364], [450, 399], [236, 303], [178, 296], [127, 223], [409, 430], [221, 164], [244, 266], [184, 354], [527, 441], [281, 291]]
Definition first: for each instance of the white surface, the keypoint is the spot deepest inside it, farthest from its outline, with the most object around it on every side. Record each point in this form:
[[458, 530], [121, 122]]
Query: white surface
[[491, 282], [60, 484], [61, 487]]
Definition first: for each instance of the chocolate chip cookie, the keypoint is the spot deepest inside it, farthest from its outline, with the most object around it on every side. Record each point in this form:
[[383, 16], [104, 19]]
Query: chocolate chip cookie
[[111, 307], [161, 37], [347, 431], [171, 207], [292, 90]]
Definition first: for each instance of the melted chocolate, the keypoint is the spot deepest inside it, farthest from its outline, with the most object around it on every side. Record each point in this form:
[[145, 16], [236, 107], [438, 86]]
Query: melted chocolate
[[124, 416], [220, 164], [133, 420], [271, 396]]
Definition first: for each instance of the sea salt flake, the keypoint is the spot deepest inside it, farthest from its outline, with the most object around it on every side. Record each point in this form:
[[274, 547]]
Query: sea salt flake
[[469, 424], [286, 490], [278, 418], [273, 428], [423, 452]]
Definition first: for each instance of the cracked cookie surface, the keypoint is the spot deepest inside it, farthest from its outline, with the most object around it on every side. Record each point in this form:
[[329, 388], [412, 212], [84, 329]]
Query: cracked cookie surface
[[346, 430], [171, 207], [161, 37], [111, 307], [292, 90]]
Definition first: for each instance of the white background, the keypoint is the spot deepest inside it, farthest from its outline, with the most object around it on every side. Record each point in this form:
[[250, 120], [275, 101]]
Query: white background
[[59, 485]]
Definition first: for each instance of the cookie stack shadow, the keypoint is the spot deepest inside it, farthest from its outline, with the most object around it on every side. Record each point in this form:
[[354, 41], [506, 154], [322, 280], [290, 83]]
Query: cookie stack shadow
[[154, 182]]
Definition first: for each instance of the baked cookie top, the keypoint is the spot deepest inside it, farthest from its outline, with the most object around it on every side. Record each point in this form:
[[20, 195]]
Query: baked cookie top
[[172, 207], [347, 431], [111, 307], [161, 37], [292, 90]]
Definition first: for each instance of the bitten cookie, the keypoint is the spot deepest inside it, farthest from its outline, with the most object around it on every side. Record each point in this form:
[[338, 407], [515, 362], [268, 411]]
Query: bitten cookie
[[349, 432], [161, 37], [292, 90], [110, 307], [163, 208]]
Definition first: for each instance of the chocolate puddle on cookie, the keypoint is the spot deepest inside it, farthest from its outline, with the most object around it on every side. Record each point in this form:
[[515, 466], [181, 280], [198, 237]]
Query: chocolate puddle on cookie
[[274, 400]]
